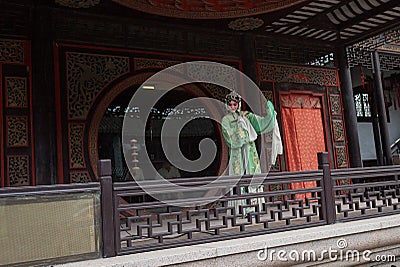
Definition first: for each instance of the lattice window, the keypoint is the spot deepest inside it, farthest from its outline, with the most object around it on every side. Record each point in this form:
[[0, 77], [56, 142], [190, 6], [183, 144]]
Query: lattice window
[[363, 109], [363, 102], [324, 61]]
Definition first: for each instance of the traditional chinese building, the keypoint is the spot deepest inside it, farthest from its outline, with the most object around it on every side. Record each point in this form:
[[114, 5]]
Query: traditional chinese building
[[68, 68]]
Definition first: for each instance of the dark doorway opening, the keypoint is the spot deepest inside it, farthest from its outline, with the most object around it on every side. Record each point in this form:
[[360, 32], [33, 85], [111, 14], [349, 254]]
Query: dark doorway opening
[[110, 133]]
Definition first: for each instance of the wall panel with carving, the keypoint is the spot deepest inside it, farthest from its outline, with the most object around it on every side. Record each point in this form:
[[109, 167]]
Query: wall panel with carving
[[84, 73], [16, 137], [338, 127], [88, 80], [275, 78]]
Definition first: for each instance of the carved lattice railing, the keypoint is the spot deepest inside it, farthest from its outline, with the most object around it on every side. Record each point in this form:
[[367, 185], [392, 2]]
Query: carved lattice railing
[[143, 223], [375, 191]]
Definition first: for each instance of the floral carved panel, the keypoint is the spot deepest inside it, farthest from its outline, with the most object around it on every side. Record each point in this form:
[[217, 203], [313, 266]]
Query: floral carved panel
[[225, 75], [245, 24], [338, 130], [268, 95], [17, 131], [16, 92], [266, 72], [341, 156], [18, 170], [76, 157], [79, 177], [11, 51], [87, 74], [295, 74], [150, 63], [331, 78], [300, 101], [193, 71], [218, 92], [336, 106]]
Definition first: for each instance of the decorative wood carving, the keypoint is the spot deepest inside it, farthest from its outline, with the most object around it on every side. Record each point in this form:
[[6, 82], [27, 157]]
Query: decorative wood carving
[[11, 51], [18, 170], [76, 132], [17, 131], [79, 177], [341, 156], [78, 3], [338, 131], [16, 145], [269, 95], [16, 92], [336, 106], [297, 74], [299, 101], [245, 24], [218, 73], [218, 92], [205, 9], [87, 74], [150, 63]]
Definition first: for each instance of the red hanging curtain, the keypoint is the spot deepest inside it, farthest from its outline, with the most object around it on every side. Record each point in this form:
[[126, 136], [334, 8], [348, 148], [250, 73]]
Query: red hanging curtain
[[303, 134]]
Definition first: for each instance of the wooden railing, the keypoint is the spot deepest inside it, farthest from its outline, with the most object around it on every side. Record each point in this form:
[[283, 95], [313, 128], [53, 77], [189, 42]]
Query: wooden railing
[[133, 221], [376, 193], [143, 223]]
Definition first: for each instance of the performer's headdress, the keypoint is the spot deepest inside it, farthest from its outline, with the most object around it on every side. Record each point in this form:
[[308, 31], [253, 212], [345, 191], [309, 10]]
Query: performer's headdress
[[233, 96]]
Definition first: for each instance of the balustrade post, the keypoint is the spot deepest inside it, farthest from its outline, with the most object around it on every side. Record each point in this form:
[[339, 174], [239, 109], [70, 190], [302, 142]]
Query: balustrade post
[[327, 187], [107, 208]]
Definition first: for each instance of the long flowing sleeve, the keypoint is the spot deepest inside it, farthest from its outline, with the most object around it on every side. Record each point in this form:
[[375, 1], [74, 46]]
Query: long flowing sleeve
[[277, 147], [263, 124]]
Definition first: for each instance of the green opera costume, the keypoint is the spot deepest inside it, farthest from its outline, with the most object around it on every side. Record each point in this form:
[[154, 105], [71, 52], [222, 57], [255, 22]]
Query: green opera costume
[[240, 129], [240, 139]]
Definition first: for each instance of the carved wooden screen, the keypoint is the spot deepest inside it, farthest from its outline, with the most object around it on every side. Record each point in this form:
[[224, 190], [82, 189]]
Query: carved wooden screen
[[16, 142]]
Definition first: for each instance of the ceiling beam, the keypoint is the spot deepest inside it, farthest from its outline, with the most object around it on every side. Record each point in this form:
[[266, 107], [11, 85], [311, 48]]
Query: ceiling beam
[[368, 34], [315, 22], [369, 14]]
